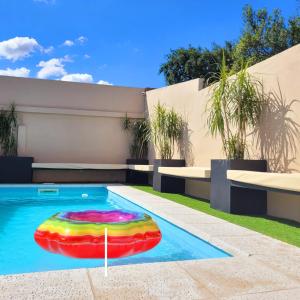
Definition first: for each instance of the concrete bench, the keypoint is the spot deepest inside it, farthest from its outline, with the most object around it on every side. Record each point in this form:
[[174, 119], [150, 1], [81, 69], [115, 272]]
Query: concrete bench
[[200, 173], [172, 179], [78, 166], [138, 174], [135, 174], [288, 183], [141, 168]]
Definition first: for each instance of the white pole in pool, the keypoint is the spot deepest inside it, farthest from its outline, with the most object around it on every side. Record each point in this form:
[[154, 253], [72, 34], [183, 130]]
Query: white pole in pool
[[105, 252]]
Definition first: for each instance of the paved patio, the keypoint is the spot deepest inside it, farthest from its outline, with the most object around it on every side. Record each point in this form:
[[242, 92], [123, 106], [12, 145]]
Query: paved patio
[[261, 267]]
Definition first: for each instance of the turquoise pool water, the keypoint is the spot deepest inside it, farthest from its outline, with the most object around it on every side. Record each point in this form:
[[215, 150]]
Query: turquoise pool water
[[23, 209]]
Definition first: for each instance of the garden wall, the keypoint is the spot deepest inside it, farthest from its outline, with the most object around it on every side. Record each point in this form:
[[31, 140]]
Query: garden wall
[[275, 141], [72, 122]]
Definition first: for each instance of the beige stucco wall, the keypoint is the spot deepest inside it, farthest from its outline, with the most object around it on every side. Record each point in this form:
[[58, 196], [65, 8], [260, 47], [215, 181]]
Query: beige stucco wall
[[61, 94], [72, 122], [69, 139], [280, 74], [190, 100]]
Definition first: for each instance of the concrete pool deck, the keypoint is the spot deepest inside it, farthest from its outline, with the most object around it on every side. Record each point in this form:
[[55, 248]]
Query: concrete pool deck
[[261, 267]]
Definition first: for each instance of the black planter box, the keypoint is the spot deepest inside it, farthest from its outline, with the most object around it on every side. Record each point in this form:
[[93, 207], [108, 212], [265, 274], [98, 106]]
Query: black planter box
[[168, 184], [236, 200], [133, 161], [14, 169], [137, 177]]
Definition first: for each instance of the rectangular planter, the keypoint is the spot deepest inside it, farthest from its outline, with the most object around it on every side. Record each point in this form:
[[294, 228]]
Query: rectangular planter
[[236, 200], [136, 177], [168, 184], [15, 169]]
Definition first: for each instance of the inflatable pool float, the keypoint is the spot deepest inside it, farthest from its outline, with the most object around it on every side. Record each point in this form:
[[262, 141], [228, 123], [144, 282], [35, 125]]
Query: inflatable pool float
[[81, 234]]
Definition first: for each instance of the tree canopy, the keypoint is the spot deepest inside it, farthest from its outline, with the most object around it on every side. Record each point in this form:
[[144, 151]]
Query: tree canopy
[[188, 63], [263, 35]]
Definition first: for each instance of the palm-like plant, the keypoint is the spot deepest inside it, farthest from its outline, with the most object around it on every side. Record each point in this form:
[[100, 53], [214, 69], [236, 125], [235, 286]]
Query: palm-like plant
[[166, 130], [140, 130], [8, 128], [234, 107]]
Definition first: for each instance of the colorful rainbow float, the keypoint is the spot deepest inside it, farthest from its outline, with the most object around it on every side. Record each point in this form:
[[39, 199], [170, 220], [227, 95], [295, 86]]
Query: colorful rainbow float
[[81, 234]]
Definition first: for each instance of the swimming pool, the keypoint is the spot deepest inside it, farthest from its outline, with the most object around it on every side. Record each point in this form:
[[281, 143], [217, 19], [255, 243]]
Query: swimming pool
[[23, 209]]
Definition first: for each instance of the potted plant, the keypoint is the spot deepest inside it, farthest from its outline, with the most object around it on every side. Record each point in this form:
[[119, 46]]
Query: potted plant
[[13, 169], [234, 108], [140, 131], [166, 131]]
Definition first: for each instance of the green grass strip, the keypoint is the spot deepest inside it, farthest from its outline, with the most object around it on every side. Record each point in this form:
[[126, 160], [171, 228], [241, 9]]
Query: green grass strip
[[281, 229]]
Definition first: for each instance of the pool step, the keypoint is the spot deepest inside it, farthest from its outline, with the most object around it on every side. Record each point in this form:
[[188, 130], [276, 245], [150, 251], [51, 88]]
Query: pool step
[[49, 191]]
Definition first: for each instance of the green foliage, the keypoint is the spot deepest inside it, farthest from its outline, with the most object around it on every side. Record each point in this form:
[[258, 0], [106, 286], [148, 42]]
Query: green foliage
[[140, 130], [281, 229], [234, 107], [186, 64], [263, 35], [126, 123], [294, 30], [166, 129], [8, 128]]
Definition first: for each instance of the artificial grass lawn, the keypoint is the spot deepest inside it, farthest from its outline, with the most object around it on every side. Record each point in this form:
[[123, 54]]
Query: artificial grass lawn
[[281, 229]]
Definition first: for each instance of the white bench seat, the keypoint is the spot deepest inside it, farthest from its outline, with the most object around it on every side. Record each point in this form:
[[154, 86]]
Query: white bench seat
[[186, 172], [78, 166], [141, 168], [277, 181]]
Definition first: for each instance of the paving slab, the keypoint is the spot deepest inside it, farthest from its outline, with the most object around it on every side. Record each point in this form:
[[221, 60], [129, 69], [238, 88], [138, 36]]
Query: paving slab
[[289, 264], [147, 281], [222, 230], [260, 245], [67, 284], [195, 218], [237, 276], [292, 294]]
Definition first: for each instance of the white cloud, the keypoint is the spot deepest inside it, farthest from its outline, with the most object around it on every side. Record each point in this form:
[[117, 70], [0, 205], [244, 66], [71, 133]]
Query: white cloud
[[47, 50], [82, 39], [18, 48], [18, 72], [86, 56], [51, 68], [78, 77], [67, 58], [68, 43], [83, 77], [104, 82]]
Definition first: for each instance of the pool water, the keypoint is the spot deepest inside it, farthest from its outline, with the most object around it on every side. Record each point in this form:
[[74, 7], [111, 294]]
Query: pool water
[[23, 209]]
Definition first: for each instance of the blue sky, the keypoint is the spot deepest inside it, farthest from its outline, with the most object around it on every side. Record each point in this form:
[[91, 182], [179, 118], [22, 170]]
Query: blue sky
[[110, 41]]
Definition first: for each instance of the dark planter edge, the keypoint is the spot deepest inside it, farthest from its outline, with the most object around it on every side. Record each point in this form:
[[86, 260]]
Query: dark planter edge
[[16, 169], [135, 161], [136, 177], [168, 184], [232, 199]]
